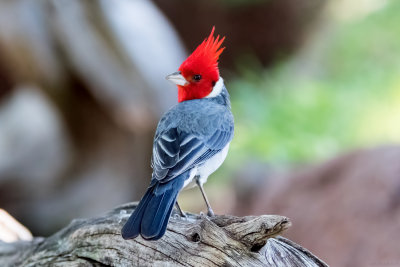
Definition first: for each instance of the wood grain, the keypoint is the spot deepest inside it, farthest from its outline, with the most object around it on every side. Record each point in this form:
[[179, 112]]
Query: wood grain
[[195, 241]]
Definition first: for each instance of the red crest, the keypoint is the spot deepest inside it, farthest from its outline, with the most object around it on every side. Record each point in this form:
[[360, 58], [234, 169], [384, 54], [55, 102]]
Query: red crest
[[203, 61]]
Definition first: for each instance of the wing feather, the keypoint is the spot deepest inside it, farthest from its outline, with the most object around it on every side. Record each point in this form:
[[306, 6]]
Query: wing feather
[[175, 151]]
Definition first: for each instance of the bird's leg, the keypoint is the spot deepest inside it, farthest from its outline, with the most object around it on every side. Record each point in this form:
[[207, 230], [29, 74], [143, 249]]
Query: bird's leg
[[210, 212], [180, 210]]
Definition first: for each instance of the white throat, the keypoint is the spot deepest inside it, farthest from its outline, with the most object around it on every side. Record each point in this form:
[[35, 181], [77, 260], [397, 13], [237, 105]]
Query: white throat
[[217, 89]]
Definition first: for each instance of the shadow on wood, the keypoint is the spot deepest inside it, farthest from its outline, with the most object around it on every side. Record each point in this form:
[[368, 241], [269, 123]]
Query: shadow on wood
[[195, 241]]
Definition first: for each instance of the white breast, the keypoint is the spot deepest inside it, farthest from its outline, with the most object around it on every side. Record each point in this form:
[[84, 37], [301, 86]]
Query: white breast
[[208, 167]]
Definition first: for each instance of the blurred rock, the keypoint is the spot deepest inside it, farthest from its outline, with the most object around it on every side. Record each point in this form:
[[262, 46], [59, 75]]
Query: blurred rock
[[346, 210], [34, 151], [247, 189], [33, 146]]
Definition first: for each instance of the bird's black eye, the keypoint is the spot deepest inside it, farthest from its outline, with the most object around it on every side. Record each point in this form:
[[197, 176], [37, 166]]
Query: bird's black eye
[[197, 77]]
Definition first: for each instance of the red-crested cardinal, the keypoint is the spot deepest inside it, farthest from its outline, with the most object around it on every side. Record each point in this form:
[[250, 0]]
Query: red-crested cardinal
[[191, 141]]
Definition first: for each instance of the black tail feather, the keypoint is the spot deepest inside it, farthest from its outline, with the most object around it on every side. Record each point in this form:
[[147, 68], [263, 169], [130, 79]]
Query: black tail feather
[[151, 216], [164, 228], [156, 216], [131, 228]]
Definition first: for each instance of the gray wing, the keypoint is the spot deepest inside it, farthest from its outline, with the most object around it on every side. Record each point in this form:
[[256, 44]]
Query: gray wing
[[176, 151]]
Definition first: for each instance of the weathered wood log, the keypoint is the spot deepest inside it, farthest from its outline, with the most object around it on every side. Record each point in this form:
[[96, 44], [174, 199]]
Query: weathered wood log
[[194, 241]]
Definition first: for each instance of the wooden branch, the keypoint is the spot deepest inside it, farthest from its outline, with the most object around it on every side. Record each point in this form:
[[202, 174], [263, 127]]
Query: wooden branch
[[195, 241]]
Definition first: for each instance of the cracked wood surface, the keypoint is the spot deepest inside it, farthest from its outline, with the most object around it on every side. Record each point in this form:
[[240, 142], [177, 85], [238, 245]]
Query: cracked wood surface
[[196, 241]]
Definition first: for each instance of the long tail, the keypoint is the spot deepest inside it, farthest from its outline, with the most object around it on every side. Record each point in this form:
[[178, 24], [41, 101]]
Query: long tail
[[151, 216]]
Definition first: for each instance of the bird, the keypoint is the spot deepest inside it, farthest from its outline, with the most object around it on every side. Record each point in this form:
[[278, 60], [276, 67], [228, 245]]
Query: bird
[[191, 141]]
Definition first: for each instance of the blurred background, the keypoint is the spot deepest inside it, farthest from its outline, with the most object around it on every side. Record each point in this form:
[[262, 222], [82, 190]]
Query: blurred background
[[315, 90]]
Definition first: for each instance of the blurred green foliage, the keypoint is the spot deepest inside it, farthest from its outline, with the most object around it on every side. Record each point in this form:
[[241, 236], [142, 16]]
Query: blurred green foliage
[[352, 100]]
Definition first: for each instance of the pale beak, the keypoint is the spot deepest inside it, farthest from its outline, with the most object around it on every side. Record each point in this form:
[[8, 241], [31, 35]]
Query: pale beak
[[177, 78]]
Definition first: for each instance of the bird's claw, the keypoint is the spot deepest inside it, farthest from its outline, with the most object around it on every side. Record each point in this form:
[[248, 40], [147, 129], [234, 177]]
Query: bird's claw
[[210, 213], [180, 216]]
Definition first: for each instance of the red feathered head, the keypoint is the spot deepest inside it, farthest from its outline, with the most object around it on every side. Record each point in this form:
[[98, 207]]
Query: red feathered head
[[200, 69]]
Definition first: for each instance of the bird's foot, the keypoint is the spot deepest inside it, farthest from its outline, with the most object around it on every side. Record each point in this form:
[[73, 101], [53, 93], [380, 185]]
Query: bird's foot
[[177, 215], [210, 213], [180, 211], [183, 215]]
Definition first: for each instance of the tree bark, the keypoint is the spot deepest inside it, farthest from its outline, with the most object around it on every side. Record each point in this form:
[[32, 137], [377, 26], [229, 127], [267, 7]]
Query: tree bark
[[194, 241]]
